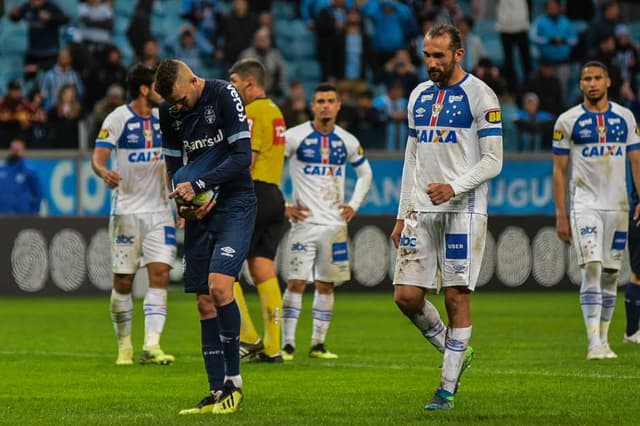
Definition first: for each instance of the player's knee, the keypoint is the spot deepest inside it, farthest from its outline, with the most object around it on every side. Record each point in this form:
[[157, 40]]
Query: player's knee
[[296, 286], [456, 299], [206, 308], [123, 283], [159, 277], [408, 304]]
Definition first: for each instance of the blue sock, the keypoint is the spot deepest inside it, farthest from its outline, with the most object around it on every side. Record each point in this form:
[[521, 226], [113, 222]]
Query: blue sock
[[212, 353], [632, 306], [229, 317]]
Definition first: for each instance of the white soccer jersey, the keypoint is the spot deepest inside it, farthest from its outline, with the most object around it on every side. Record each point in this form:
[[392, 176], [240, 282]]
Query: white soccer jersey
[[317, 167], [455, 137], [598, 144], [136, 145]]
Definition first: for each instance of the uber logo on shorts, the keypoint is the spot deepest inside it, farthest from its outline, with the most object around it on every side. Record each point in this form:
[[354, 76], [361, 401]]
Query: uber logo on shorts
[[407, 241], [339, 252], [227, 251], [456, 246], [170, 235], [124, 239], [619, 240]]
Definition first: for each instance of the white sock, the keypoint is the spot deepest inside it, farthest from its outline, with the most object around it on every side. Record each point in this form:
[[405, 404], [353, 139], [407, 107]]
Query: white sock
[[291, 307], [121, 315], [322, 313], [455, 348], [430, 325], [591, 300], [237, 380], [155, 314], [609, 284]]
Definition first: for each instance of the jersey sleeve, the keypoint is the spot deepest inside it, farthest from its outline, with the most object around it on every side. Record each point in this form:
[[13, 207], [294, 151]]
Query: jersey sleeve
[[561, 136], [487, 114], [258, 129], [291, 143], [236, 126], [355, 152], [171, 146], [110, 131], [633, 138]]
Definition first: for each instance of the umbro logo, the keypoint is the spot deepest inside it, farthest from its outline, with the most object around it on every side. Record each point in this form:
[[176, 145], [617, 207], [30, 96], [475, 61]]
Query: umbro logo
[[227, 251]]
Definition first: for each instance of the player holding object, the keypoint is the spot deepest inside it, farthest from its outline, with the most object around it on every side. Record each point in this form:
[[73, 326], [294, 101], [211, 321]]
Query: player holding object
[[596, 136], [454, 147], [141, 226], [206, 120], [318, 151], [267, 143]]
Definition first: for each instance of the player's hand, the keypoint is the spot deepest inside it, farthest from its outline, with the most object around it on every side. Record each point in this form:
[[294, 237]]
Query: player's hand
[[397, 232], [111, 178], [196, 213], [183, 190], [297, 213], [440, 192], [347, 212], [636, 215], [563, 229], [180, 222]]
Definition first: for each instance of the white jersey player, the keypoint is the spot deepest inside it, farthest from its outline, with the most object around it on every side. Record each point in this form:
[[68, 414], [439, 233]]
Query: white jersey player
[[595, 137], [318, 152], [454, 147], [141, 225]]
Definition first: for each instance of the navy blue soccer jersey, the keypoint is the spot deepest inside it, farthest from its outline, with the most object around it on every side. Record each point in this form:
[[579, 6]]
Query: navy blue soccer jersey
[[215, 138]]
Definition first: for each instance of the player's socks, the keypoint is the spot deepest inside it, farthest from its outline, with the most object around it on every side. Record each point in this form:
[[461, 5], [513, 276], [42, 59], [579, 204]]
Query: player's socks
[[609, 287], [155, 314], [430, 324], [271, 299], [454, 354], [212, 353], [291, 307], [591, 301], [121, 315], [632, 307], [322, 313], [229, 321], [248, 332]]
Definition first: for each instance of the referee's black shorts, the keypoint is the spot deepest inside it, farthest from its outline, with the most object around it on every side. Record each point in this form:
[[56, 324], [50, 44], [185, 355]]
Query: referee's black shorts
[[634, 243], [271, 222]]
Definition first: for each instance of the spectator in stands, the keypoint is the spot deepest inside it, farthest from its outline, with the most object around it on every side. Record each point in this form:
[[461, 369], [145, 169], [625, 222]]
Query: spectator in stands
[[63, 119], [393, 27], [544, 83], [628, 59], [370, 122], [276, 81], [96, 25], [295, 107], [38, 136], [113, 99], [352, 50], [488, 72], [348, 115], [190, 47], [512, 23], [554, 36], [605, 51], [203, 14], [43, 19], [139, 29], [449, 12], [606, 22], [22, 193], [400, 68], [393, 107], [535, 125], [236, 32], [150, 54], [329, 25], [103, 76], [60, 75], [473, 47], [15, 115]]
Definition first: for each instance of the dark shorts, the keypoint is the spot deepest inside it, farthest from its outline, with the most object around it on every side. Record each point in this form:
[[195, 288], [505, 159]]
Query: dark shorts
[[219, 243], [634, 243], [271, 222]]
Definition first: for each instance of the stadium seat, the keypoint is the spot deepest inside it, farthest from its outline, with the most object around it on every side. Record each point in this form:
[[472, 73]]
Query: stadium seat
[[309, 70], [494, 50], [634, 29], [485, 28], [284, 10], [510, 136]]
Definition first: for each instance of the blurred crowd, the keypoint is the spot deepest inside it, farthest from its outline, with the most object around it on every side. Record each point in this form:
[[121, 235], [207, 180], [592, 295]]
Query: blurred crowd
[[371, 49]]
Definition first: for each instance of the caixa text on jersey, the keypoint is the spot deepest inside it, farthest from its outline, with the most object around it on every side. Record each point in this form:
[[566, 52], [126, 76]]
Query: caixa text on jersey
[[190, 146]]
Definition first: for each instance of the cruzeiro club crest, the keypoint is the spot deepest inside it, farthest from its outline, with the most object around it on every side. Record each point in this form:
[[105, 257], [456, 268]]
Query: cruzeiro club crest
[[209, 114], [436, 108]]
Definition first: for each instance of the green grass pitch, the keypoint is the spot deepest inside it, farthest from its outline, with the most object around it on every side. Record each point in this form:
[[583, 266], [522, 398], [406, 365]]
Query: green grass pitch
[[57, 354]]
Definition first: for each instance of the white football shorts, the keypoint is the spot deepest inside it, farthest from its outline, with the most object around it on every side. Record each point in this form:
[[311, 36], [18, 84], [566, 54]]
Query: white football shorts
[[139, 239], [319, 252], [599, 236], [449, 243]]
